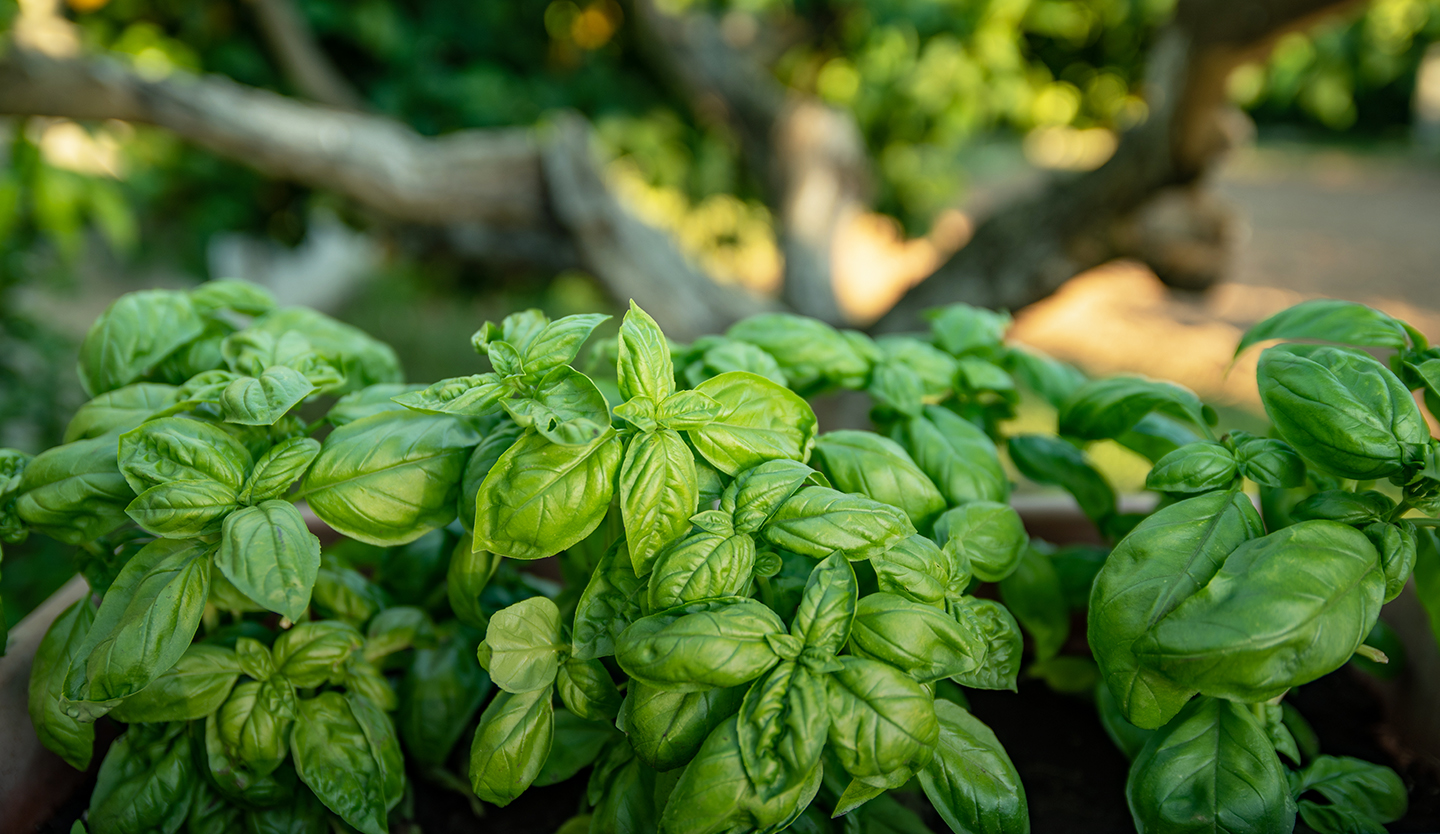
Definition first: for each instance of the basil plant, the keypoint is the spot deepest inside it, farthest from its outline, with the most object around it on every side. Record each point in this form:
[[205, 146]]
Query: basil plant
[[758, 627]]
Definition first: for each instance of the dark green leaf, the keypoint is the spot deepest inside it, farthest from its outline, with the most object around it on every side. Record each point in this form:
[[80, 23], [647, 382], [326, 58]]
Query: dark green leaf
[[119, 411], [657, 494], [194, 687], [971, 782], [608, 605], [1362, 796], [62, 734], [1050, 460], [74, 493], [511, 745], [1328, 320], [1034, 595], [924, 642], [667, 728], [439, 694], [146, 783], [1107, 408], [133, 334], [1001, 663], [817, 521], [578, 743], [883, 726], [346, 752], [758, 421], [1195, 467], [269, 555], [782, 727], [700, 646], [866, 463]]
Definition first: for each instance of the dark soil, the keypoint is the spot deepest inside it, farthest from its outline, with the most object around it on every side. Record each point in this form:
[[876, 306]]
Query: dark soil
[[1074, 777]]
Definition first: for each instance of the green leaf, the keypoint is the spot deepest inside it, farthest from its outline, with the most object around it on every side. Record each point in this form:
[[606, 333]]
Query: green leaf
[[181, 509], [467, 576], [1195, 467], [961, 328], [1165, 560], [72, 740], [511, 745], [758, 421], [262, 400], [918, 570], [868, 464], [701, 566], [1328, 320], [585, 686], [1281, 611], [523, 646], [301, 813], [1267, 462], [567, 408], [1353, 508], [684, 410], [74, 493], [755, 494], [817, 521], [194, 687], [1050, 460], [956, 455], [1001, 663], [366, 402], [1209, 769], [269, 555], [667, 728], [119, 411], [658, 494], [144, 625], [1034, 595], [133, 334], [608, 605], [174, 449], [971, 782], [922, 641], [559, 341], [715, 795], [827, 607], [1129, 738], [467, 396], [230, 294], [577, 744], [1362, 796], [645, 368], [700, 646], [397, 629], [234, 779], [1396, 544], [782, 727], [389, 478], [986, 537], [810, 352], [729, 355], [1053, 380], [315, 653], [1341, 409], [439, 695], [346, 752], [1107, 408], [255, 724], [343, 593], [278, 468], [1157, 435], [146, 783], [883, 726], [361, 359], [1427, 576], [542, 497], [482, 460]]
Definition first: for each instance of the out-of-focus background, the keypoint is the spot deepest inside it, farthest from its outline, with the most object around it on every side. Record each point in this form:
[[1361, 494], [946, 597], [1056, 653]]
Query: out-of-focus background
[[1138, 179]]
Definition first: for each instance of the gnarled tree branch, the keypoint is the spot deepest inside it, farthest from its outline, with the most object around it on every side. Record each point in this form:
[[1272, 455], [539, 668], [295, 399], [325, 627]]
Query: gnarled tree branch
[[300, 57]]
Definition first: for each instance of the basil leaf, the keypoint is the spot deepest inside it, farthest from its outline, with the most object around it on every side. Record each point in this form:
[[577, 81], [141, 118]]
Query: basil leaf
[[467, 396], [233, 778], [714, 793], [523, 645], [578, 742], [758, 492], [1107, 408], [586, 688], [817, 522], [758, 421], [144, 625], [361, 359], [366, 402], [278, 469], [1269, 463], [645, 368], [1000, 664], [961, 328], [1354, 508], [482, 460], [684, 410], [1166, 559], [957, 456], [342, 593], [883, 726], [198, 683], [971, 782], [511, 745], [135, 333], [922, 641], [607, 606], [990, 538], [868, 464], [1328, 320], [1396, 544], [827, 607], [1195, 467], [781, 727], [269, 555], [1034, 595], [119, 411], [255, 724], [1362, 796], [397, 629], [389, 478], [1129, 738], [345, 751], [1209, 769], [1053, 380], [74, 493], [667, 728], [559, 341], [703, 565], [146, 782], [700, 646], [178, 449], [262, 400], [917, 569], [1298, 624], [72, 740], [810, 352], [1341, 409], [439, 695], [182, 509], [728, 355], [210, 813], [629, 796], [658, 495], [542, 497], [301, 813], [315, 653], [1156, 436], [1050, 460], [567, 408], [231, 294]]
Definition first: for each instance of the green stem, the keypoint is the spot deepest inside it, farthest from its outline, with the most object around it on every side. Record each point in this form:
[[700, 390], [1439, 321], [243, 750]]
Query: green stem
[[1424, 522]]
